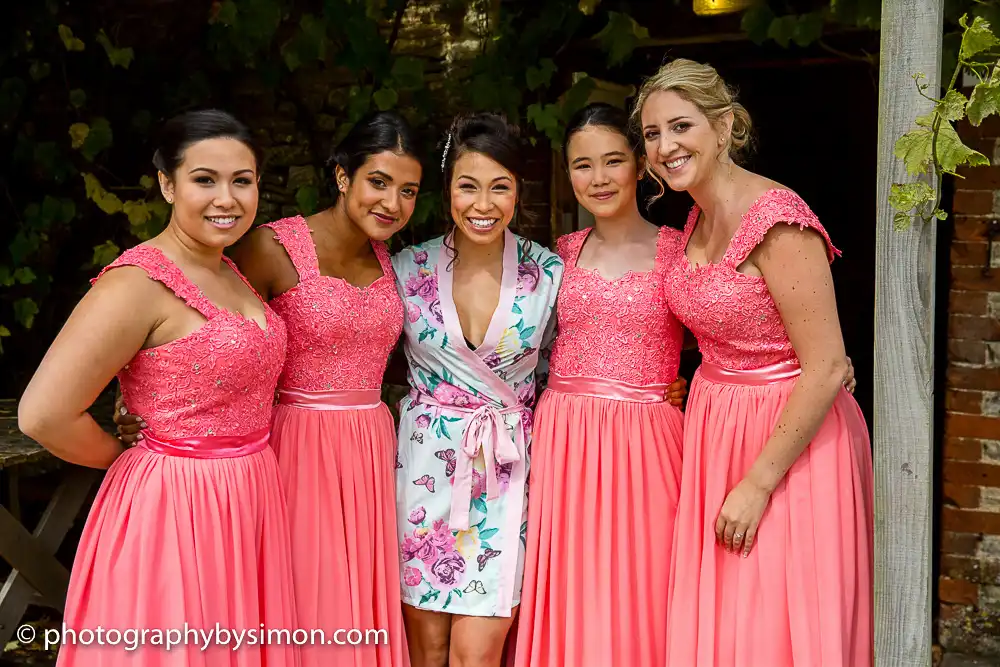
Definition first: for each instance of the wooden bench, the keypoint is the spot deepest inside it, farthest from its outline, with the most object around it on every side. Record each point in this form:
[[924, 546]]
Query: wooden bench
[[37, 578]]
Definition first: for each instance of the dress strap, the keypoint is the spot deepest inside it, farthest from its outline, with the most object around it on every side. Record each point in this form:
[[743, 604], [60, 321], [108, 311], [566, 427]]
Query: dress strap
[[159, 268], [296, 238], [384, 259], [774, 206], [667, 242], [568, 246]]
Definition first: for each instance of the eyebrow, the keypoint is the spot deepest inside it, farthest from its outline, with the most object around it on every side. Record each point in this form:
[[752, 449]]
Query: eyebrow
[[672, 120], [379, 172], [214, 172], [498, 178], [609, 154]]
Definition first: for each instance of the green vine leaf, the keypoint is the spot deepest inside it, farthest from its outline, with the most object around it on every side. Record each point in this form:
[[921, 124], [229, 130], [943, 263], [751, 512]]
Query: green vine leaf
[[77, 98], [146, 182], [577, 96], [756, 23], [78, 134], [620, 37], [538, 77], [951, 152], [901, 222], [225, 13], [119, 57], [99, 138], [915, 150], [546, 119], [808, 28], [24, 275], [105, 253], [307, 198], [952, 107], [39, 70], [106, 201], [24, 312], [408, 73], [137, 212], [587, 7], [977, 38], [907, 197], [385, 98], [782, 29], [69, 41], [985, 100]]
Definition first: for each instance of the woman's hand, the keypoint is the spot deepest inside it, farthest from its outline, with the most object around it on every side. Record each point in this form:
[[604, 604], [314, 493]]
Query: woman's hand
[[736, 526], [129, 426], [677, 392], [849, 382]]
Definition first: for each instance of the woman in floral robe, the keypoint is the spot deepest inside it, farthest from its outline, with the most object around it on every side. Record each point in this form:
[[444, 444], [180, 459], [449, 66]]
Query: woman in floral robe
[[465, 425]]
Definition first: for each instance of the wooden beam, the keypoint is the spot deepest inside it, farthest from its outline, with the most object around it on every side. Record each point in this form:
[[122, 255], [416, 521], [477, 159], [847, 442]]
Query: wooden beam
[[911, 33]]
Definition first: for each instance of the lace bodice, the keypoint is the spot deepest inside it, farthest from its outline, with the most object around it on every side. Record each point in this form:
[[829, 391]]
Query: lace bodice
[[217, 380], [339, 336], [616, 329], [732, 314]]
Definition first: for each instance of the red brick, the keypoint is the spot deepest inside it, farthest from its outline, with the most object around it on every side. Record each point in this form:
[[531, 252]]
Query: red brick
[[958, 591], [968, 254], [960, 400], [972, 278], [962, 568], [963, 449], [981, 178], [970, 521], [973, 202], [970, 229], [968, 303], [963, 377], [971, 473], [948, 612], [963, 544], [974, 426], [969, 327], [961, 495], [967, 351]]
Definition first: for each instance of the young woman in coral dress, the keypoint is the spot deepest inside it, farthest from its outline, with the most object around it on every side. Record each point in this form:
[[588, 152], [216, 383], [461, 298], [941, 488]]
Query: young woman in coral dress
[[189, 529], [478, 308], [772, 555], [606, 448], [330, 279]]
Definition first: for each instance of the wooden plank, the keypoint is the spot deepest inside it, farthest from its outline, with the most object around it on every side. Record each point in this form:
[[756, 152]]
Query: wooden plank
[[17, 593], [19, 548], [911, 32]]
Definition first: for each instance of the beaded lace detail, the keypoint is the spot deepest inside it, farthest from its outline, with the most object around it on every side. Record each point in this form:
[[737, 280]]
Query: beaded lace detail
[[732, 314], [339, 336], [616, 329], [217, 380]]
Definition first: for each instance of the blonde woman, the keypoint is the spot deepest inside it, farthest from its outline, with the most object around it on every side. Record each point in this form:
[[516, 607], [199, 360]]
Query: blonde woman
[[772, 554]]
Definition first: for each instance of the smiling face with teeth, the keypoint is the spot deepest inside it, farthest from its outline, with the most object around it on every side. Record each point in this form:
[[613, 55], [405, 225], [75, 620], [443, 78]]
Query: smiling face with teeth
[[213, 191], [483, 197], [683, 147]]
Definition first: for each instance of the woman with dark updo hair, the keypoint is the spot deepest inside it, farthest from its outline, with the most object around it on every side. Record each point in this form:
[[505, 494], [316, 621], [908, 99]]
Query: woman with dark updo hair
[[188, 532], [478, 303]]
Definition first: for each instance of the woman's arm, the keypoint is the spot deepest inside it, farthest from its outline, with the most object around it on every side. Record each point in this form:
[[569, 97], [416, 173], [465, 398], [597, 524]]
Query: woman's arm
[[795, 266], [106, 329]]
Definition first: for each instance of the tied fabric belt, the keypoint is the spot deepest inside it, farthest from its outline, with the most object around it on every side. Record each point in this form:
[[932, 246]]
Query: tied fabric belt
[[334, 399], [615, 390], [487, 432], [779, 372], [209, 446]]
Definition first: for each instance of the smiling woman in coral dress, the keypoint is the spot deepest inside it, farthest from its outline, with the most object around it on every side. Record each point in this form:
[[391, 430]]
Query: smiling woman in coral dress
[[772, 561], [189, 528]]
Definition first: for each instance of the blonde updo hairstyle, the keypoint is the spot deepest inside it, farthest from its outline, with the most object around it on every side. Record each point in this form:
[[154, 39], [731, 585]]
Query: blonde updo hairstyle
[[702, 86]]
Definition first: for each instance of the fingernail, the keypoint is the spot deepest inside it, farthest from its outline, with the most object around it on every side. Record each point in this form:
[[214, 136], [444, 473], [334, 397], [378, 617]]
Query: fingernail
[[143, 424], [139, 437], [124, 412]]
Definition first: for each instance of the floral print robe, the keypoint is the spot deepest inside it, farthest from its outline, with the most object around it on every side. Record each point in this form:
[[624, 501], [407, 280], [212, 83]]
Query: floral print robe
[[464, 429]]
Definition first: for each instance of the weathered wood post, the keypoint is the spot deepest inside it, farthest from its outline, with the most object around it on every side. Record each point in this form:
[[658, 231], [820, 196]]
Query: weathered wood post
[[904, 352]]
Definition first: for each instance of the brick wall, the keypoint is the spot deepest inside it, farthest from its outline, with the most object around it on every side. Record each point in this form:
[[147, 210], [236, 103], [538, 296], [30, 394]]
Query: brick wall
[[969, 584]]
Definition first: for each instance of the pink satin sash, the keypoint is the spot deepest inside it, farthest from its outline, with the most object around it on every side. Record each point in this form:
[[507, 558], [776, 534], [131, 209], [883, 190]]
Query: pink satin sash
[[605, 388], [487, 432], [209, 446], [779, 372], [335, 399]]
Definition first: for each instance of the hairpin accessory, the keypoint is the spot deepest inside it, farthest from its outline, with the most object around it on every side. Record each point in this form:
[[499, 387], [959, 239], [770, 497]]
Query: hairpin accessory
[[444, 156]]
